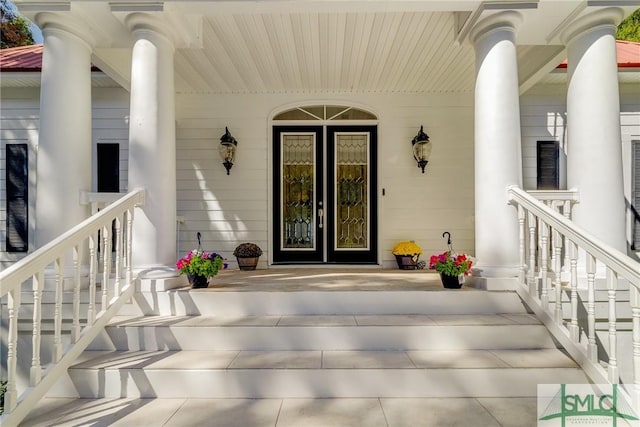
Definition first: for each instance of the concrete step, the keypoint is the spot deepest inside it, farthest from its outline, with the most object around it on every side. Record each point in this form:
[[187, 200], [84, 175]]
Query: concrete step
[[318, 332], [317, 374], [229, 303]]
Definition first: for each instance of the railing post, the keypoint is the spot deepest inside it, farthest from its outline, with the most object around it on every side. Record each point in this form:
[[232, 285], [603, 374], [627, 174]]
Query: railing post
[[129, 246], [522, 246], [592, 348], [574, 329], [533, 283], [75, 323], [106, 268], [635, 321], [13, 306], [91, 310], [36, 368], [544, 297], [116, 285], [612, 281], [557, 270], [57, 316]]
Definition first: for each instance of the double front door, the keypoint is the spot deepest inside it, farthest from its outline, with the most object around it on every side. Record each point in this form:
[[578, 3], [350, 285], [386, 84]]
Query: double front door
[[324, 187]]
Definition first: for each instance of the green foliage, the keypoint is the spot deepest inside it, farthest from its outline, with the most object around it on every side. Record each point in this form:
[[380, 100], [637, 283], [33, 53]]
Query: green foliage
[[3, 390], [14, 29], [629, 29], [199, 263]]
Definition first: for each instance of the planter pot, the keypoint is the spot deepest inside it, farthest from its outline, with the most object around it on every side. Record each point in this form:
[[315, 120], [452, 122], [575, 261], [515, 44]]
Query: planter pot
[[407, 262], [247, 263], [451, 282], [198, 281]]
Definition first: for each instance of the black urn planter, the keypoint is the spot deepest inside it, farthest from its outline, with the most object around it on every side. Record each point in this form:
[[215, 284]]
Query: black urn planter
[[198, 281], [450, 282], [407, 262]]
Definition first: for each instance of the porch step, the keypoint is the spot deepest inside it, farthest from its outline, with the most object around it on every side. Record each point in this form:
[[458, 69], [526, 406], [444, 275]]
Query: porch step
[[318, 332], [320, 374], [222, 342], [230, 303]]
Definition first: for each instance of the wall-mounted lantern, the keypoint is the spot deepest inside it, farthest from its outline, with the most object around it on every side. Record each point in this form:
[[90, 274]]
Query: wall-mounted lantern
[[228, 146], [421, 148]]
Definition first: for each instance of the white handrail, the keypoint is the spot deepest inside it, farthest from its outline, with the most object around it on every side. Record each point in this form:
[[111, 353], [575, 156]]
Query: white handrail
[[30, 274], [545, 231]]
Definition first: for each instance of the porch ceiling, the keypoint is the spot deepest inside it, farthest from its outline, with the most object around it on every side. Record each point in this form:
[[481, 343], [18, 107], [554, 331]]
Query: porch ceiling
[[320, 46]]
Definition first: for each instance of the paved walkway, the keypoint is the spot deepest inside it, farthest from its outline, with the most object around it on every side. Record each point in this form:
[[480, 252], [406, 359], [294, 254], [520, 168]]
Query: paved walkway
[[391, 412]]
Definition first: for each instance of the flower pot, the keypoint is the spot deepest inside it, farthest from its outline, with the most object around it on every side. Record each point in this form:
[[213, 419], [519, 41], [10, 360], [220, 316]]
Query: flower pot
[[198, 281], [451, 282], [247, 263], [407, 262]]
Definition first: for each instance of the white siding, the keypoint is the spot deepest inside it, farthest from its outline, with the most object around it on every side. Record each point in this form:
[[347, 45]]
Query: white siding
[[236, 208], [19, 123], [19, 120]]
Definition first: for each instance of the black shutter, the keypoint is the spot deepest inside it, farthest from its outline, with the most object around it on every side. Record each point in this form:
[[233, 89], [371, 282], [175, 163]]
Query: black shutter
[[108, 168], [548, 165], [17, 179]]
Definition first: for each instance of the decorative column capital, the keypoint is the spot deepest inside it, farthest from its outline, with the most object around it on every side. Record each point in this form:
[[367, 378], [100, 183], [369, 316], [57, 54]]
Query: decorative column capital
[[148, 26], [506, 20], [51, 22], [607, 17]]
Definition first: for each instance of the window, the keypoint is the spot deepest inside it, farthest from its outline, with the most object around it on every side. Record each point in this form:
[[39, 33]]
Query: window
[[548, 155], [108, 168], [17, 179]]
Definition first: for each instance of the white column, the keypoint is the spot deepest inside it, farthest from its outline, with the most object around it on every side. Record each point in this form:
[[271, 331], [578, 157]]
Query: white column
[[152, 147], [64, 146], [497, 146], [594, 149]]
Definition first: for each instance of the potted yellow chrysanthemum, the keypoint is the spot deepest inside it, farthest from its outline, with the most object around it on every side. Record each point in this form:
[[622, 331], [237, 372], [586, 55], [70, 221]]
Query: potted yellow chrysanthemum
[[407, 254]]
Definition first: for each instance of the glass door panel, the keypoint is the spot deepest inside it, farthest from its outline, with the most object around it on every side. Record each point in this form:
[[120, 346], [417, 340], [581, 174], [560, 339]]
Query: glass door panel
[[351, 190], [297, 190], [351, 185]]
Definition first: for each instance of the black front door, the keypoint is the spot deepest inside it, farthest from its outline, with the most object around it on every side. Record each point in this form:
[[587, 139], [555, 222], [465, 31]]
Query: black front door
[[324, 185]]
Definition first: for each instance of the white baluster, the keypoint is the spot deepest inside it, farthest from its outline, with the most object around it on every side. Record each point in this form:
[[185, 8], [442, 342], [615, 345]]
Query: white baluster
[[612, 282], [106, 268], [91, 310], [544, 250], [566, 212], [36, 368], [574, 329], [57, 315], [592, 348], [522, 245], [635, 321], [13, 306], [557, 270], [129, 244], [116, 285], [75, 325], [533, 283]]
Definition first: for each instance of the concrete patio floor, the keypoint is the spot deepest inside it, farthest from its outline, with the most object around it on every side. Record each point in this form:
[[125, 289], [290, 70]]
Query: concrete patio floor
[[330, 279]]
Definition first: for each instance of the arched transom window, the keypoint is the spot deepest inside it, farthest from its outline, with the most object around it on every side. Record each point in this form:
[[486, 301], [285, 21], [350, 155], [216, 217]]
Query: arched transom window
[[325, 112]]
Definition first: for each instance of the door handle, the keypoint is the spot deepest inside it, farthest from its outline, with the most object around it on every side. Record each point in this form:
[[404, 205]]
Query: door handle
[[320, 217]]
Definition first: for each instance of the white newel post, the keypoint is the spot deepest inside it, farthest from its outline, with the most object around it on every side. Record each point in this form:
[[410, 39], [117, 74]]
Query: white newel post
[[594, 151], [64, 146], [152, 147], [497, 146]]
